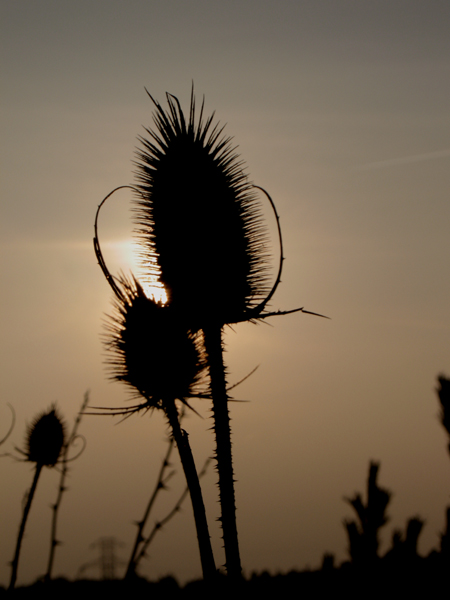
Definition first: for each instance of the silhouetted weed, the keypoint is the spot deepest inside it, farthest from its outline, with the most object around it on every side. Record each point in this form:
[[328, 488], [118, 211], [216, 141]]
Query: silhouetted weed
[[44, 442]]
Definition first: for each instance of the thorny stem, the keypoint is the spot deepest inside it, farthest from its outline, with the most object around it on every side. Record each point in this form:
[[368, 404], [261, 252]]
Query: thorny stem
[[214, 351], [198, 506], [26, 510], [131, 569], [61, 489]]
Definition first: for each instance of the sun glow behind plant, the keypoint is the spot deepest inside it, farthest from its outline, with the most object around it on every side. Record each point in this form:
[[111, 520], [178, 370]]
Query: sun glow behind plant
[[151, 285], [123, 257]]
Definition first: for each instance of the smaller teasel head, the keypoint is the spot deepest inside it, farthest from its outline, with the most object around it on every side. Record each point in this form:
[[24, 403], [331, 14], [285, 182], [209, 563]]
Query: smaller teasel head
[[151, 350], [45, 438]]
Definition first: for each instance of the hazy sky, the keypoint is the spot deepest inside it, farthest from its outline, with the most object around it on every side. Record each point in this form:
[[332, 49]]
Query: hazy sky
[[340, 110]]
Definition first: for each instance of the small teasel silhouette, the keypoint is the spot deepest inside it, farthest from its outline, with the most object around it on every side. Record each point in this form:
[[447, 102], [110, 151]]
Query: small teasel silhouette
[[152, 352], [44, 442]]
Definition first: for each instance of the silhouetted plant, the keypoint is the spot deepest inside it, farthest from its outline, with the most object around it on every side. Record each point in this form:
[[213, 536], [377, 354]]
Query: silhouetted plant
[[44, 442], [200, 222], [443, 392], [154, 354], [363, 534], [202, 235], [72, 439]]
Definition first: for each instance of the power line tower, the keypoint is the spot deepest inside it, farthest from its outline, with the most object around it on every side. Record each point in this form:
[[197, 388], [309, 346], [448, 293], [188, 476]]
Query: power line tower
[[107, 561]]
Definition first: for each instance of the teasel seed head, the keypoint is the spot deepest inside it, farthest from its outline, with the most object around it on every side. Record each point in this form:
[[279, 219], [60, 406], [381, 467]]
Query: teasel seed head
[[45, 438], [151, 350], [199, 216]]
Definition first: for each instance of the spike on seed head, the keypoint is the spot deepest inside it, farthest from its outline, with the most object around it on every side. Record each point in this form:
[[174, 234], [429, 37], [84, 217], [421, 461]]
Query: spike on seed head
[[199, 216], [45, 438], [152, 351]]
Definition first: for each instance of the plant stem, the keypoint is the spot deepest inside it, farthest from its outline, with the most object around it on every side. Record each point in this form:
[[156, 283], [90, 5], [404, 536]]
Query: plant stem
[[26, 510], [61, 489], [187, 461], [214, 350], [159, 524], [131, 569]]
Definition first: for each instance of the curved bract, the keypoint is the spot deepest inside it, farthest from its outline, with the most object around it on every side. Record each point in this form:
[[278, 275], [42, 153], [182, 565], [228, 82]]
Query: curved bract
[[198, 214]]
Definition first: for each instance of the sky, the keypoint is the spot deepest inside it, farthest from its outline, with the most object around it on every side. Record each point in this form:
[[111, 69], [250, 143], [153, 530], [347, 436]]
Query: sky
[[340, 110]]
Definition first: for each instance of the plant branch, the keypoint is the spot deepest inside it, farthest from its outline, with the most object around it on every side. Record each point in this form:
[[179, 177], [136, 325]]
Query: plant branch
[[159, 524], [160, 484], [61, 489]]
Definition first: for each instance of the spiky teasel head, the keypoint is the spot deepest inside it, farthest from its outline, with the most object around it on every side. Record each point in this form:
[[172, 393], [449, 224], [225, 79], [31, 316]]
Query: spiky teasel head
[[151, 350], [45, 438], [198, 214]]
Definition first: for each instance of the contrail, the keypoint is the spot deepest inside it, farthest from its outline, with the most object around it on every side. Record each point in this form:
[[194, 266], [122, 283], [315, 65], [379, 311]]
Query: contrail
[[404, 160]]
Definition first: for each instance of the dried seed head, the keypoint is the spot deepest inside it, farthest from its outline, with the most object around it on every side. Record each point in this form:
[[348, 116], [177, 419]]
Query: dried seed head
[[45, 438], [200, 217], [151, 349]]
